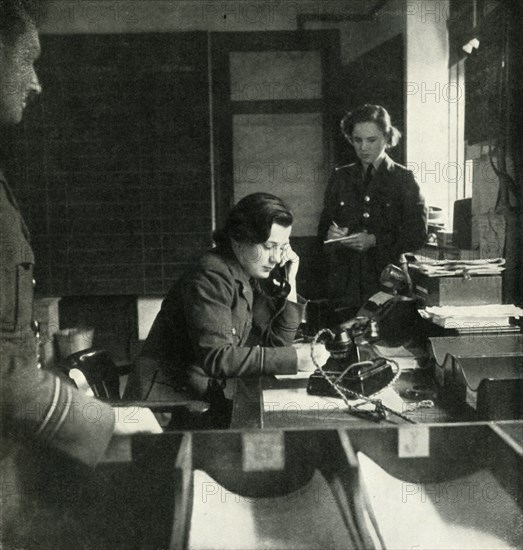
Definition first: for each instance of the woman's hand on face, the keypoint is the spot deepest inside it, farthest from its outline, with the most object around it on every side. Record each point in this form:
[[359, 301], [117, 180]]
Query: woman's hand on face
[[291, 261], [336, 232]]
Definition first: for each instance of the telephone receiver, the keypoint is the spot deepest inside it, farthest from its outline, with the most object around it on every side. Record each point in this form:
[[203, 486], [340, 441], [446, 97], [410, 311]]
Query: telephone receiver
[[277, 285]]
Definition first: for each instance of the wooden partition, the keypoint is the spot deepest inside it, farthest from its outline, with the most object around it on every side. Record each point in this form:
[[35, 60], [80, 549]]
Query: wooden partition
[[188, 483]]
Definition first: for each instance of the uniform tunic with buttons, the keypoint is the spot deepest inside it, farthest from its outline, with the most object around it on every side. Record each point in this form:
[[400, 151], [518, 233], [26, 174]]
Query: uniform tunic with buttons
[[35, 404], [217, 323], [390, 207]]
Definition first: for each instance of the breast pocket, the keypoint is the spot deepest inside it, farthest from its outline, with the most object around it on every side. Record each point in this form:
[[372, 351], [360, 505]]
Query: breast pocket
[[389, 215], [246, 330], [241, 328], [348, 211]]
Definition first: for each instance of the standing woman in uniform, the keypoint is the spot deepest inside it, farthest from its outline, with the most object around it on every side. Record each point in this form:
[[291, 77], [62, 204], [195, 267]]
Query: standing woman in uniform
[[376, 203]]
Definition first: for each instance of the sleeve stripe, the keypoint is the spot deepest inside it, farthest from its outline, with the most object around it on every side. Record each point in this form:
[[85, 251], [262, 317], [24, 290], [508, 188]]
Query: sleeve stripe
[[67, 406], [52, 407]]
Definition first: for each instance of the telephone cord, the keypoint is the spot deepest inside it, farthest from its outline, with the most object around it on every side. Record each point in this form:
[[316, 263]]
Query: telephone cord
[[379, 413]]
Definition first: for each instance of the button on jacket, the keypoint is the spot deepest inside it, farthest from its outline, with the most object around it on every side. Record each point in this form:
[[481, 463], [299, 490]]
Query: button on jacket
[[35, 403], [390, 207], [218, 323]]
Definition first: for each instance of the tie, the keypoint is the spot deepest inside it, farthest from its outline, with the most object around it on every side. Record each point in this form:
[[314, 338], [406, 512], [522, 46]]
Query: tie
[[368, 175]]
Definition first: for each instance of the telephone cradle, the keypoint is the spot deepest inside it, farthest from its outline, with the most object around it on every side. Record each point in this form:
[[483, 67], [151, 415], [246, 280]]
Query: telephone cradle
[[362, 378], [354, 364]]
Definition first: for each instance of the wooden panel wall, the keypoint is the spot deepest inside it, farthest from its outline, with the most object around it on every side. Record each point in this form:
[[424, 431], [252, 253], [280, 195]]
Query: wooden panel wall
[[376, 77]]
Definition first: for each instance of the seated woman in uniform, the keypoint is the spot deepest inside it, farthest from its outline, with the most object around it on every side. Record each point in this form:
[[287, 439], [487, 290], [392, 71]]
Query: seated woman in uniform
[[374, 205], [220, 320]]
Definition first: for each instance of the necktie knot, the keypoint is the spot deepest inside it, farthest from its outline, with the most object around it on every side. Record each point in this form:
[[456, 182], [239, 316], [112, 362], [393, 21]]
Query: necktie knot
[[369, 173]]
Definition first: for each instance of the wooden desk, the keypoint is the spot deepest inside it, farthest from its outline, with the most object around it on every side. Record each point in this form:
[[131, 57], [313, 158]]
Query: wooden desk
[[270, 402], [280, 402]]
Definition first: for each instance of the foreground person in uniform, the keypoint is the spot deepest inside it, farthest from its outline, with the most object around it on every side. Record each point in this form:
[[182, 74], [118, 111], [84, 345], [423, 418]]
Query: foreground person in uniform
[[46, 424], [374, 206]]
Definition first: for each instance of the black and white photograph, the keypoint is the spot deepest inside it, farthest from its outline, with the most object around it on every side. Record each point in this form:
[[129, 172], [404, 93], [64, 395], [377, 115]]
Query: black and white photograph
[[261, 280]]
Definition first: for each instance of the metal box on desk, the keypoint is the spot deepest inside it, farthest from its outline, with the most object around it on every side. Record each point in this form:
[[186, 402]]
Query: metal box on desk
[[457, 290]]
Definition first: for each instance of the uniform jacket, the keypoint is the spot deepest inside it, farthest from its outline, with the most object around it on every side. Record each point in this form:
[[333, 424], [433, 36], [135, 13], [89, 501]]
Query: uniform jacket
[[218, 323], [35, 404], [391, 207]]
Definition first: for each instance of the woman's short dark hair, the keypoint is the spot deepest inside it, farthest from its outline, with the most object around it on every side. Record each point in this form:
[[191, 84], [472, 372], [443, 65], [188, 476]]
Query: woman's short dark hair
[[250, 220], [371, 113], [14, 18]]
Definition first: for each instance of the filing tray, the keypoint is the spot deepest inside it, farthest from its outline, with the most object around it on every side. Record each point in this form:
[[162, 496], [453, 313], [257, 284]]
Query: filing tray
[[492, 386], [485, 372], [253, 471]]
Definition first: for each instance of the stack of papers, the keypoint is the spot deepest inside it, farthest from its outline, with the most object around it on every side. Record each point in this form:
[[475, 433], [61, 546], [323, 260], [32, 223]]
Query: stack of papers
[[446, 268], [493, 315]]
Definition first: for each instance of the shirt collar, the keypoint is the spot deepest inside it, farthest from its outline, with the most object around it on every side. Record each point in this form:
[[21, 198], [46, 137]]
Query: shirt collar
[[385, 160]]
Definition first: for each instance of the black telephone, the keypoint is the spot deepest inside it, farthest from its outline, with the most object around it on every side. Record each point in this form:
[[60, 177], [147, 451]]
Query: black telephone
[[276, 285], [395, 312], [354, 363]]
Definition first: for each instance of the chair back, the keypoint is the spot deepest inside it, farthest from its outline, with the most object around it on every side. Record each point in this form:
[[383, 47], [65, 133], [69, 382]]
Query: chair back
[[99, 370]]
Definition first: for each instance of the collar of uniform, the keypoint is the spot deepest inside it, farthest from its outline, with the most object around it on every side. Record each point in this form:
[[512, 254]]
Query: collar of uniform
[[237, 272], [385, 165], [8, 191], [386, 162], [244, 282], [12, 199]]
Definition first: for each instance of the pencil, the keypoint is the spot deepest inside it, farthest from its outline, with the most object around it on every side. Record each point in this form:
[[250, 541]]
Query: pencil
[[335, 224]]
